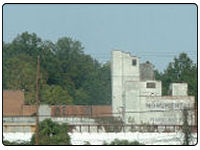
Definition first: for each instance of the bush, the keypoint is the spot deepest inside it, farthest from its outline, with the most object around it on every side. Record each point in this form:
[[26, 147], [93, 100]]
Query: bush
[[52, 133], [122, 142], [16, 143]]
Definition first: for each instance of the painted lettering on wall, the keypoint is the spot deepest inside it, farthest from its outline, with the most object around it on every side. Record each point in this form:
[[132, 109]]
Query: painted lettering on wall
[[169, 120], [164, 105]]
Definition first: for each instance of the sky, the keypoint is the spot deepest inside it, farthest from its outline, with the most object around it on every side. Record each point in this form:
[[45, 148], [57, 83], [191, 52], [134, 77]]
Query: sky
[[155, 32]]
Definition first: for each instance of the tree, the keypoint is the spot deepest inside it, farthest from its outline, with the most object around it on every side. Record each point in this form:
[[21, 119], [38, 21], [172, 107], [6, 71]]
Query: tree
[[81, 97], [182, 69], [55, 95], [28, 44], [19, 74], [52, 133], [186, 128], [65, 69]]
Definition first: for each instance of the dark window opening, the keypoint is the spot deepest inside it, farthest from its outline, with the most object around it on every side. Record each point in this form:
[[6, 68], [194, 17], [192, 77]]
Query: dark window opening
[[134, 62], [151, 85]]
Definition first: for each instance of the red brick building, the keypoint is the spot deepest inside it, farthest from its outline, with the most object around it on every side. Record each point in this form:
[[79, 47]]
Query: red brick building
[[13, 105]]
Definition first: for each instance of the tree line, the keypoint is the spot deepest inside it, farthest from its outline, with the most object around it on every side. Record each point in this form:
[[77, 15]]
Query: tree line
[[69, 76]]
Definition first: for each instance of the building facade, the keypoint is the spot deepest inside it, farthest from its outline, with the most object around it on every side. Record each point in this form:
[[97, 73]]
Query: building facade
[[18, 117], [137, 96]]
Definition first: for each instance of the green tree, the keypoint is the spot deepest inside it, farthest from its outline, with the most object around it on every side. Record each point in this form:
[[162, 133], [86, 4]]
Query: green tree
[[182, 69], [186, 128], [55, 95], [28, 44], [81, 97], [19, 74], [64, 67], [52, 133]]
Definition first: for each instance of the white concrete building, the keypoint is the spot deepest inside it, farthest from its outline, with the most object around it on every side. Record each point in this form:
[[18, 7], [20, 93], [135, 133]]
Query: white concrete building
[[137, 96]]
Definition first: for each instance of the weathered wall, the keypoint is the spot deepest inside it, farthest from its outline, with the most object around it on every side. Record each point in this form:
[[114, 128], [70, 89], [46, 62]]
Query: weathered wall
[[179, 89], [101, 111], [44, 112], [18, 124], [70, 110], [146, 71], [142, 87], [27, 124], [123, 71], [135, 93], [162, 110], [81, 111], [13, 101], [29, 110]]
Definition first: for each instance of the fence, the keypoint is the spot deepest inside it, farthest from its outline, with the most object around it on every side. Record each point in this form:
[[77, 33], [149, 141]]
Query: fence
[[127, 128]]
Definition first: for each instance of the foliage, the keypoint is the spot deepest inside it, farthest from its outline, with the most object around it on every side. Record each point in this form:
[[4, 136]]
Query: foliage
[[55, 95], [186, 128], [52, 133], [65, 67], [68, 76], [86, 143], [5, 142], [182, 69], [122, 142], [19, 73]]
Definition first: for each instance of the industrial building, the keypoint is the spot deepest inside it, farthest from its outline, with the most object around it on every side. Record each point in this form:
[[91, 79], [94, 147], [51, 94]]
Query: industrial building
[[137, 96], [136, 100]]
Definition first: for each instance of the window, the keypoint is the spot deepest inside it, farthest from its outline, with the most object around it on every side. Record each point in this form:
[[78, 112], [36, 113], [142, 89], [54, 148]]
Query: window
[[134, 62], [151, 85]]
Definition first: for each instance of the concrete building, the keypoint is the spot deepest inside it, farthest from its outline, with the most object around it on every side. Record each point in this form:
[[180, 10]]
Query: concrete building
[[137, 96]]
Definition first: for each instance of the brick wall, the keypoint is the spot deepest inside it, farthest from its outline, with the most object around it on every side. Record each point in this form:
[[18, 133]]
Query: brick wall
[[70, 110], [101, 111], [13, 101], [81, 111], [29, 110], [13, 105]]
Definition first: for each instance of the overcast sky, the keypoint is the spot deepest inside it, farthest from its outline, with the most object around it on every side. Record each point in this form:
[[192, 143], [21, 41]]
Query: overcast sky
[[153, 32]]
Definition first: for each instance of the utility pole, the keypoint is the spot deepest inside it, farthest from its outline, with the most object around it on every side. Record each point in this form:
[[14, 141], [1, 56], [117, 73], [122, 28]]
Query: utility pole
[[37, 102]]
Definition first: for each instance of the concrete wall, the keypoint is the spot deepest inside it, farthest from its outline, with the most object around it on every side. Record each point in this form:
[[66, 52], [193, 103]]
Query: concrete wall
[[162, 110], [74, 120], [138, 98], [27, 124], [142, 87], [146, 71], [122, 71], [18, 124], [44, 112], [179, 89]]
